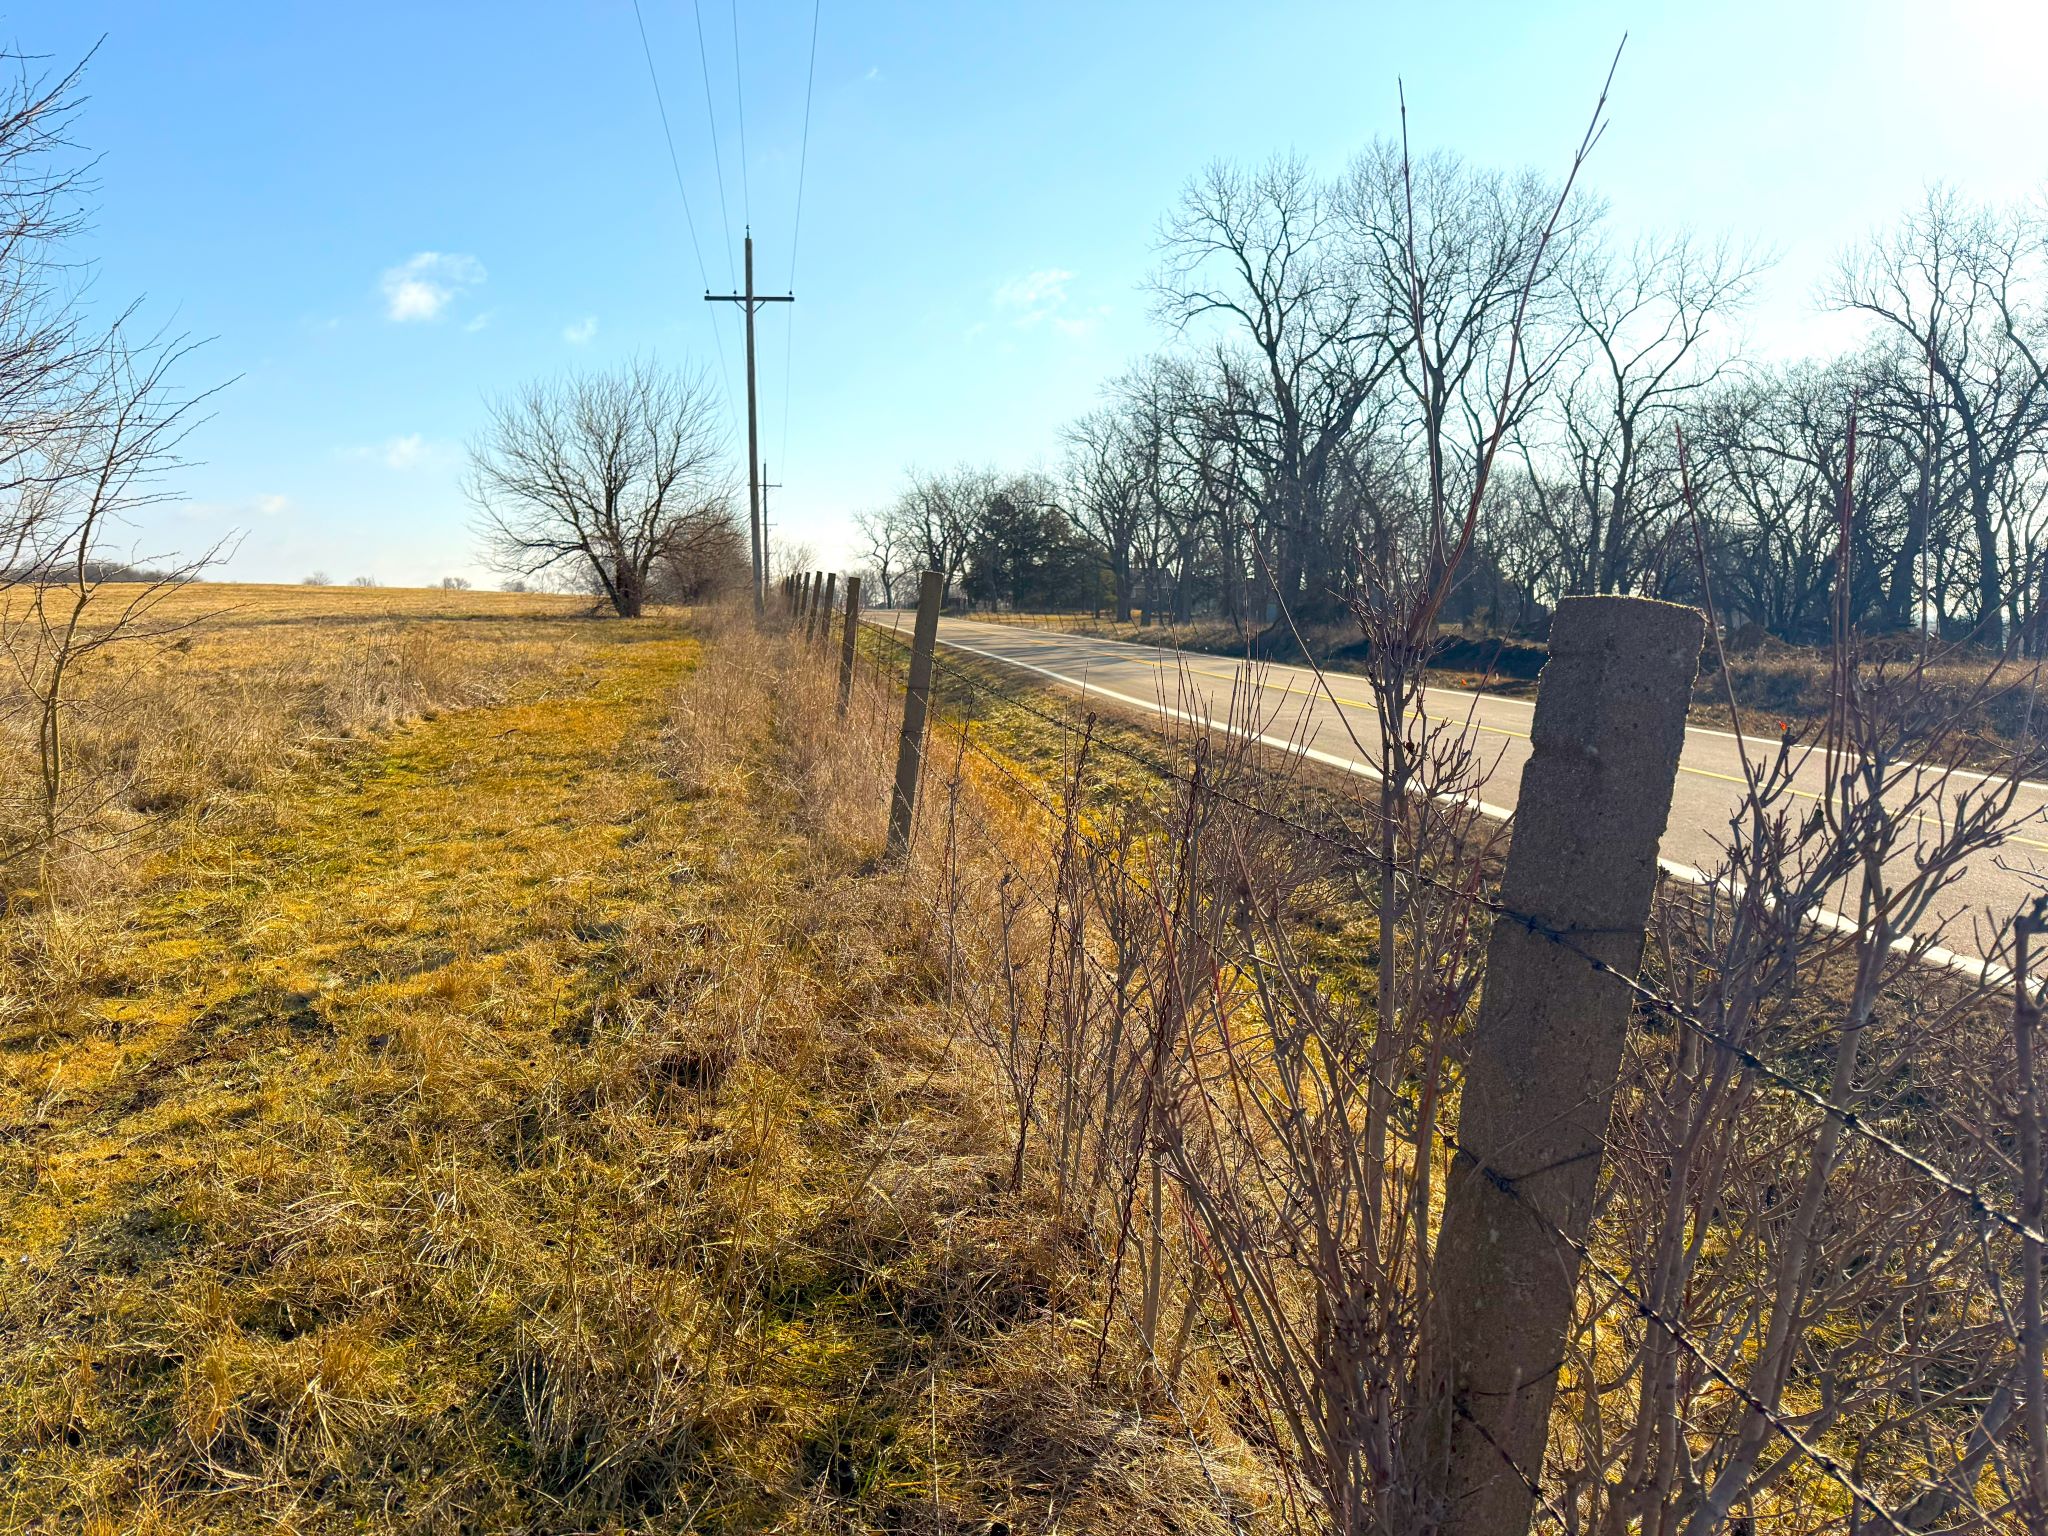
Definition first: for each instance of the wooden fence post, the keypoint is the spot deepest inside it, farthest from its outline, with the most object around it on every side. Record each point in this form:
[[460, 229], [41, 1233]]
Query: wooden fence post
[[821, 620], [916, 701], [846, 644], [1547, 1043]]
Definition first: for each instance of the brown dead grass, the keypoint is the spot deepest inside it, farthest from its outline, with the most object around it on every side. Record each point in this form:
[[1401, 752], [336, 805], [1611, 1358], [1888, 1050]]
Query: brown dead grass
[[533, 1111]]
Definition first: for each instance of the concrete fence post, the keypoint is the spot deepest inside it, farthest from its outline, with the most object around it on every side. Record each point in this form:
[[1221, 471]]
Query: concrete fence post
[[916, 702], [821, 620], [847, 642], [1547, 1044], [796, 606]]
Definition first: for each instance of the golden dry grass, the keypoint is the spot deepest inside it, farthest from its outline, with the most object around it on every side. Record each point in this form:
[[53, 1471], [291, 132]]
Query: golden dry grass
[[497, 1092]]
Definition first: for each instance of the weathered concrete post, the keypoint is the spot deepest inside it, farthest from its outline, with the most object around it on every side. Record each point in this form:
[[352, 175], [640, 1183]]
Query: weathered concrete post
[[796, 605], [916, 701], [847, 642], [1547, 1045], [821, 621]]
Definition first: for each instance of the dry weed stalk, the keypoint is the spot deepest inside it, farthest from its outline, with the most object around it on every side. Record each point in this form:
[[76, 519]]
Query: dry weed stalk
[[1766, 1276]]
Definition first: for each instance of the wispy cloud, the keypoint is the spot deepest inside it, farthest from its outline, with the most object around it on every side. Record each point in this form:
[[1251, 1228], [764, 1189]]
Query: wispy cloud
[[408, 450], [268, 505], [1040, 299], [581, 331], [422, 287], [1034, 295]]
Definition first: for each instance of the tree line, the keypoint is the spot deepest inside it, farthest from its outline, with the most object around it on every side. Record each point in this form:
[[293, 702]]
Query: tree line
[[1345, 356]]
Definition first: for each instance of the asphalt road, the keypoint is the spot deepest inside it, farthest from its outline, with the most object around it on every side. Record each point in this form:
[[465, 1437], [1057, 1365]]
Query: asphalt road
[[1294, 708]]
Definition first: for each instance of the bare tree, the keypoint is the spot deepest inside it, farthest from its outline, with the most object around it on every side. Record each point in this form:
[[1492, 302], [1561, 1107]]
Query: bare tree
[[1965, 288], [99, 466], [884, 552], [1644, 320], [1258, 251], [939, 516], [1104, 489], [600, 475]]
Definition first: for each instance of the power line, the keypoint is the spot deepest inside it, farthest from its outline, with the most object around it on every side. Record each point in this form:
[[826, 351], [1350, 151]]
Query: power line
[[689, 219], [796, 227], [804, 155], [717, 156], [739, 96]]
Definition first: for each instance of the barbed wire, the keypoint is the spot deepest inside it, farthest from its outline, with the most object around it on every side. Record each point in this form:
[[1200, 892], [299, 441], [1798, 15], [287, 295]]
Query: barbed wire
[[1676, 1331], [1849, 1119], [1825, 1461]]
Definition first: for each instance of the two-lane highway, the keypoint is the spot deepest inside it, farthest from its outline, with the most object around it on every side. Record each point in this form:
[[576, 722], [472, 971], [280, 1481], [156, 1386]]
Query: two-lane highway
[[1292, 706]]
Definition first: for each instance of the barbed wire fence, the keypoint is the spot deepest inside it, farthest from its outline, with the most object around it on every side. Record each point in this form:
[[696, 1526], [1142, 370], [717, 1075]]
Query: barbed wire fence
[[1912, 1389]]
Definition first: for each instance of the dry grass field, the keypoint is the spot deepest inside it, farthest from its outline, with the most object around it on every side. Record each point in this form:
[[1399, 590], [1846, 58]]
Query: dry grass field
[[474, 1073], [472, 1080]]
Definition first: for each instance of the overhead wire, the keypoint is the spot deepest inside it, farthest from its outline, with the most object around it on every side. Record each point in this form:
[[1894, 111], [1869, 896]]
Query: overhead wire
[[739, 96], [796, 228], [717, 155], [689, 219]]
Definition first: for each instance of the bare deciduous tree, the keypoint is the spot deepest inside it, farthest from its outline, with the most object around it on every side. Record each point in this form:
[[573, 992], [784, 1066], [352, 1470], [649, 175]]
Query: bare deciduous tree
[[601, 475]]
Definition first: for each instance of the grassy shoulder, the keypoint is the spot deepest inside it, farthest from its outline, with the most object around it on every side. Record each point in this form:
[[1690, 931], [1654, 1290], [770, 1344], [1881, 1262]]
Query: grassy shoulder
[[539, 1115]]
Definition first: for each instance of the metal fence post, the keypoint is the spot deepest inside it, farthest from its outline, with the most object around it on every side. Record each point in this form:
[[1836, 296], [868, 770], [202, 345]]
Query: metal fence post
[[916, 702], [1547, 1043], [846, 644]]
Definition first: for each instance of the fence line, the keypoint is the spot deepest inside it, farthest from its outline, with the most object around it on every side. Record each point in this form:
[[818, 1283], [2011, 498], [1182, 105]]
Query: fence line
[[1641, 990], [1976, 1196]]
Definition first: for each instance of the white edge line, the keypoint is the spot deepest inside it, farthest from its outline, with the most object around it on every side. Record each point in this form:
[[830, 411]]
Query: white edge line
[[1762, 743], [1987, 972]]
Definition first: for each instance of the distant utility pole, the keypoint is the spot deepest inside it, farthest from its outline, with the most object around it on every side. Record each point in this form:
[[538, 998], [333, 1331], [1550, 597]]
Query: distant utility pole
[[753, 301], [767, 485]]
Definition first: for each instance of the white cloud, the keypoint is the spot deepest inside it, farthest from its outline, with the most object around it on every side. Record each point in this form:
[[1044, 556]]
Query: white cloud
[[408, 450], [404, 452], [1040, 299], [236, 512], [1034, 295], [480, 321], [581, 331], [422, 287]]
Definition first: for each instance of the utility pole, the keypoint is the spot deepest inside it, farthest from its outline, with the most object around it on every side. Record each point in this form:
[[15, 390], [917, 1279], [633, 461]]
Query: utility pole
[[767, 485], [753, 301]]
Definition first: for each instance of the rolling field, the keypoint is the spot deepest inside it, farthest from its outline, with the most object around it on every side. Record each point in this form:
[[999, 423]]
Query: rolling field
[[458, 1090]]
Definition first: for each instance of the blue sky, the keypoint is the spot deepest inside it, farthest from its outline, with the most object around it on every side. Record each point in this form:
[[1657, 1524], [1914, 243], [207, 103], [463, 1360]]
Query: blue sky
[[381, 212]]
